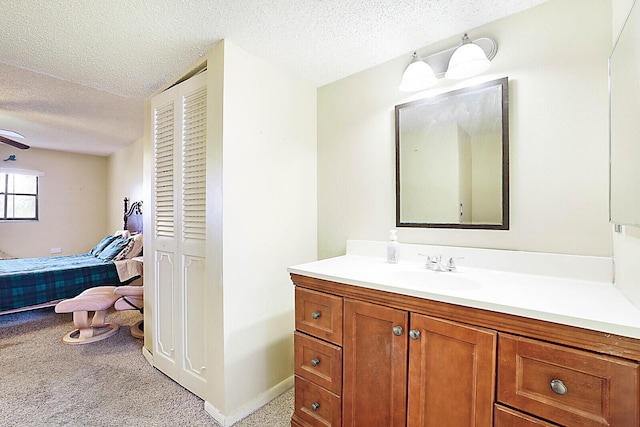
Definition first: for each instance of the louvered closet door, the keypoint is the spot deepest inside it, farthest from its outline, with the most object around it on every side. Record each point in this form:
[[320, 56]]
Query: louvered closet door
[[179, 203]]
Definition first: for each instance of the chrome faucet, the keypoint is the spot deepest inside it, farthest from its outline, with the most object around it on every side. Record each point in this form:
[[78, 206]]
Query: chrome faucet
[[435, 263], [451, 265]]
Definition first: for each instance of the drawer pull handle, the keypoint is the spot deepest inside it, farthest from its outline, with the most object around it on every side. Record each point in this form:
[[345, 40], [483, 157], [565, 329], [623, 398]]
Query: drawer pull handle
[[315, 406], [397, 330], [315, 362], [414, 334], [315, 315], [558, 387]]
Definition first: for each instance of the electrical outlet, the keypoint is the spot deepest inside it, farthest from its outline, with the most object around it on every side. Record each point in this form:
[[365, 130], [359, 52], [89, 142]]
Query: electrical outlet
[[56, 250]]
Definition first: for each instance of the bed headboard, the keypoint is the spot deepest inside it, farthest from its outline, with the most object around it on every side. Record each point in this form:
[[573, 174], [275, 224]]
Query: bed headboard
[[133, 216]]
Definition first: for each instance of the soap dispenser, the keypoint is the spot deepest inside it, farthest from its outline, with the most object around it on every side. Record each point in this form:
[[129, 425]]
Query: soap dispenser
[[393, 247]]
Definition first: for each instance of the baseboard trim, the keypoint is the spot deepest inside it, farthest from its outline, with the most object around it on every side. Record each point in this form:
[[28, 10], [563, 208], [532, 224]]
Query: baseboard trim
[[249, 408], [147, 355]]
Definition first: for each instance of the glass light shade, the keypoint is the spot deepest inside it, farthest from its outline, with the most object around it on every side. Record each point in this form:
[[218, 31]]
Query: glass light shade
[[418, 76], [468, 60]]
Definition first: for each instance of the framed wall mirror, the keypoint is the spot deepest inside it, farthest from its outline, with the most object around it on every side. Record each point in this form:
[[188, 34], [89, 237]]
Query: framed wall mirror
[[452, 159]]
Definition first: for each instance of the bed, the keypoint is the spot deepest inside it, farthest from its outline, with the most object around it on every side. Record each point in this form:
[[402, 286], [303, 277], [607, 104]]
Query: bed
[[30, 283]]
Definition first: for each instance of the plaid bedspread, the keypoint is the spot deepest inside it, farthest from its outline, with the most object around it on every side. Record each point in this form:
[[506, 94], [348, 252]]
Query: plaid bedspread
[[31, 281]]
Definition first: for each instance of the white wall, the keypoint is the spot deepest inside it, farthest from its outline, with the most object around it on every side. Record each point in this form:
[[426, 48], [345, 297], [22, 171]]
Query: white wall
[[125, 180], [555, 56], [626, 245], [72, 204], [261, 218], [269, 218]]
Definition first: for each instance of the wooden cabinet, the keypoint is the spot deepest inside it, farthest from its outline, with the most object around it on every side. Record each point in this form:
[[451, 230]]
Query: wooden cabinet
[[375, 365], [414, 362], [318, 359], [399, 368], [451, 373], [425, 371], [567, 386]]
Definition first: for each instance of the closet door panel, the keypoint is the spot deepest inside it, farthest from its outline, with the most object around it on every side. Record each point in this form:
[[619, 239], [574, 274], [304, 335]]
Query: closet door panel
[[194, 323], [194, 168], [179, 232], [164, 133], [165, 318], [164, 203]]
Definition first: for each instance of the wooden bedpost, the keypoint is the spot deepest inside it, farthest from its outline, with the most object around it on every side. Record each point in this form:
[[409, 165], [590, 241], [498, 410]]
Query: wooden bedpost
[[126, 210]]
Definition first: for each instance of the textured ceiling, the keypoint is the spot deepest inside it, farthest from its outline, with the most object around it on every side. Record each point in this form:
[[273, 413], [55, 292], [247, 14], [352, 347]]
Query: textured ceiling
[[74, 74]]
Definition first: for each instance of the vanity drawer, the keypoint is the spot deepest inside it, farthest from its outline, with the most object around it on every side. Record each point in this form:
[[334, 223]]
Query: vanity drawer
[[590, 389], [316, 406], [507, 417], [319, 362], [319, 314]]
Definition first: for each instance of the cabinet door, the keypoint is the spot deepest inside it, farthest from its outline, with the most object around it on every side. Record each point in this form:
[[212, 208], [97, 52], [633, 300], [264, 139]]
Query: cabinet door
[[451, 374], [375, 365]]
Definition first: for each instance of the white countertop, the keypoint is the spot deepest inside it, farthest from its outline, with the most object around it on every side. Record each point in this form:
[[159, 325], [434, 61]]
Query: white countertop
[[590, 304]]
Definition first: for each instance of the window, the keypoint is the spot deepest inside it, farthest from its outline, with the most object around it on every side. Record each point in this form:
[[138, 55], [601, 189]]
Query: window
[[18, 196]]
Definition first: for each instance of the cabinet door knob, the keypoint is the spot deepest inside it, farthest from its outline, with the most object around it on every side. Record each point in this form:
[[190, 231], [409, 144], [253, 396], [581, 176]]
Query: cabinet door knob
[[315, 315], [558, 387], [315, 362], [397, 330], [414, 334], [315, 406]]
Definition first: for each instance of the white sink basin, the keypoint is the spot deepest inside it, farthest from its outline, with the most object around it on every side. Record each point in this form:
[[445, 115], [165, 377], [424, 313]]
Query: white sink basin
[[453, 281], [427, 280]]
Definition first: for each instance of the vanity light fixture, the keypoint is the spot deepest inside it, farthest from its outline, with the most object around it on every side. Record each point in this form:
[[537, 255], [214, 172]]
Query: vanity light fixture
[[418, 76], [468, 60], [460, 62]]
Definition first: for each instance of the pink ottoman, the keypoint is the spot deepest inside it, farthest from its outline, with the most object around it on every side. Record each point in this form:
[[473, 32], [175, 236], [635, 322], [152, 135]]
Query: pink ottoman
[[131, 298], [98, 300]]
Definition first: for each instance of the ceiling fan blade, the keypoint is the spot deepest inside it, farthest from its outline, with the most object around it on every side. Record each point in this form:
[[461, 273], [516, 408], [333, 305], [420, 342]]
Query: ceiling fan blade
[[11, 134], [13, 143]]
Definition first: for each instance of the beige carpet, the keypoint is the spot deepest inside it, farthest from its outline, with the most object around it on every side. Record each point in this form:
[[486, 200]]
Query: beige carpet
[[44, 382]]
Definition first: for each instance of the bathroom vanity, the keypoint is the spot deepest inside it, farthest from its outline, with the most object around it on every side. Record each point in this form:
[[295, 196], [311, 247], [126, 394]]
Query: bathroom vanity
[[545, 341]]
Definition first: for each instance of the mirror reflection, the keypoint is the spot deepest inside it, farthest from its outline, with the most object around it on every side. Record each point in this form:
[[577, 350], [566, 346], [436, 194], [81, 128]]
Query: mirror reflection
[[624, 110], [452, 151]]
